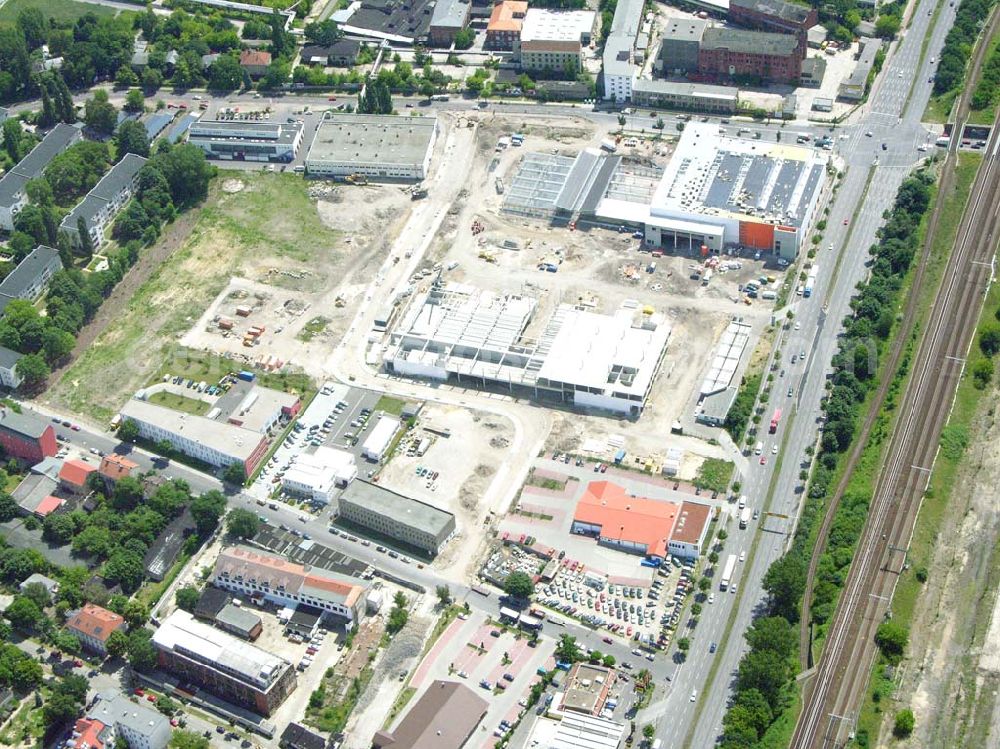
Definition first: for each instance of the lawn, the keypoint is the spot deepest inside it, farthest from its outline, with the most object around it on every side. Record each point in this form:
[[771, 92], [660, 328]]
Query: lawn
[[60, 11], [237, 234], [313, 328], [714, 475], [180, 403], [390, 405], [939, 107]]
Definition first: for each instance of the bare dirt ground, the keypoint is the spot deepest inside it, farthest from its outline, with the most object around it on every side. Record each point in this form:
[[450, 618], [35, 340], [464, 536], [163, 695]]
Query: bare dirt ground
[[466, 463], [953, 673]]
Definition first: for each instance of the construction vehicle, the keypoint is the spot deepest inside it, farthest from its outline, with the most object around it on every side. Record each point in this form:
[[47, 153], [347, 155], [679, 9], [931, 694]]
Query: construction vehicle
[[488, 257], [356, 179]]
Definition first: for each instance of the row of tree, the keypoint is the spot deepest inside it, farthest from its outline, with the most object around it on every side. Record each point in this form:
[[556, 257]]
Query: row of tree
[[985, 95], [958, 44], [764, 685]]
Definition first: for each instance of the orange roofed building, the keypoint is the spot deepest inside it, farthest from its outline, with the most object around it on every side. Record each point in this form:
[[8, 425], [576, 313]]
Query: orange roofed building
[[638, 525], [93, 626], [252, 573], [505, 24], [73, 476], [115, 467]]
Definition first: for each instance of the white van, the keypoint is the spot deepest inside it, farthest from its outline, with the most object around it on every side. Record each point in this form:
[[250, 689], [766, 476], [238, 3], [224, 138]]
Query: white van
[[743, 501], [759, 449]]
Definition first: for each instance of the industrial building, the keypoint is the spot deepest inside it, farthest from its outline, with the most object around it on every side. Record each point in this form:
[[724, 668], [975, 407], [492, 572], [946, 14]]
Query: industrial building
[[445, 717], [620, 51], [719, 388], [260, 575], [679, 45], [637, 525], [104, 201], [246, 140], [380, 438], [778, 16], [462, 334], [30, 279], [13, 196], [216, 443], [716, 192], [813, 70], [226, 666], [856, 85], [588, 687], [317, 476], [693, 97], [449, 17], [732, 53], [570, 730], [554, 40], [394, 516], [390, 20], [381, 147]]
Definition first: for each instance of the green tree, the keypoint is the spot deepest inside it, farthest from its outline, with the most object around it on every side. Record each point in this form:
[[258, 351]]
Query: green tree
[[567, 649], [166, 705], [225, 74], [131, 137], [887, 26], [128, 430], [242, 523], [648, 731], [234, 473], [24, 613], [903, 725], [465, 38], [34, 26], [181, 739], [141, 651], [8, 507], [519, 585], [152, 79], [100, 114], [609, 660], [989, 338], [206, 510], [187, 598], [33, 371], [443, 594], [117, 644], [892, 639], [324, 33], [125, 567], [683, 644], [135, 101]]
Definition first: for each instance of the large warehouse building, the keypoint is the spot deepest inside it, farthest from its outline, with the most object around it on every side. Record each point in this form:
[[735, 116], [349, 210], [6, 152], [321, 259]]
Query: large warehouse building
[[381, 147], [239, 140], [389, 514], [716, 192], [477, 338]]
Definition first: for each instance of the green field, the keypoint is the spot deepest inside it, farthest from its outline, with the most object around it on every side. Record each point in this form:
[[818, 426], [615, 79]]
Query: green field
[[235, 234], [61, 11], [180, 403]]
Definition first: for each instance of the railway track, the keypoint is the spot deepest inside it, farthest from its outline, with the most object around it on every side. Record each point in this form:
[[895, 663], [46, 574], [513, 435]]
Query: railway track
[[831, 697]]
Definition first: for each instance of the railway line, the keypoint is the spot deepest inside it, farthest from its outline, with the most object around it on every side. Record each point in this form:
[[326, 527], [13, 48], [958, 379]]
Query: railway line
[[832, 696]]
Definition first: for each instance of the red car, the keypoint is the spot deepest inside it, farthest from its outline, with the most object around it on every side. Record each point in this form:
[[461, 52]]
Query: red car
[[174, 722], [332, 98], [75, 427], [763, 460], [151, 697], [845, 222], [77, 663], [139, 692]]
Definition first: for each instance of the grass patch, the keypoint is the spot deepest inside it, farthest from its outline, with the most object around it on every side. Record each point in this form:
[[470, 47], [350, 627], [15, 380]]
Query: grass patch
[[60, 11], [332, 718], [236, 234], [390, 405], [180, 403], [939, 107], [313, 328], [26, 727], [397, 707], [714, 474], [551, 484]]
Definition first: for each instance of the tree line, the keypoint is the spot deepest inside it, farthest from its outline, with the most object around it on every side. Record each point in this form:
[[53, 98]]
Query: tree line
[[765, 683], [958, 44]]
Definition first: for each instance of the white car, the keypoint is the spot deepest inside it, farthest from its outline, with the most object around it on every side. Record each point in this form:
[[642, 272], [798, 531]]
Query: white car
[[774, 449], [711, 597], [694, 694], [743, 556]]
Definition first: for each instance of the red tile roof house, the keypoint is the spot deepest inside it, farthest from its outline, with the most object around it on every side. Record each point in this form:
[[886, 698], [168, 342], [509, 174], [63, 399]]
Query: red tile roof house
[[115, 467], [94, 625], [255, 62], [74, 474]]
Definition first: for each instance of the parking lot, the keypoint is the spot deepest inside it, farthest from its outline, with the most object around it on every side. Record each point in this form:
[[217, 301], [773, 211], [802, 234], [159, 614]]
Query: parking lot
[[331, 419]]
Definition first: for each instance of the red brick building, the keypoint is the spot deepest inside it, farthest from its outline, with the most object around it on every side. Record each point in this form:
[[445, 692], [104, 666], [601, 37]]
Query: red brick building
[[26, 436], [730, 53]]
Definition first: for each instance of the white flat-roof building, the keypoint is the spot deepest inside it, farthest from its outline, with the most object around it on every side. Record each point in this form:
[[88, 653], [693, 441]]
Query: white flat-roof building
[[252, 140], [385, 147], [317, 475], [460, 333], [619, 62], [215, 442], [554, 39], [380, 438]]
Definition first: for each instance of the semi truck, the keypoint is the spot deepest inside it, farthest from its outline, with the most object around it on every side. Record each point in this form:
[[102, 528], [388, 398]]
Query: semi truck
[[745, 517], [810, 282], [775, 421], [727, 572]]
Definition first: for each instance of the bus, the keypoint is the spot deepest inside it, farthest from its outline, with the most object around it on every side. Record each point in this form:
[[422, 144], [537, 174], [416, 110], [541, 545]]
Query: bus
[[775, 420], [727, 572]]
